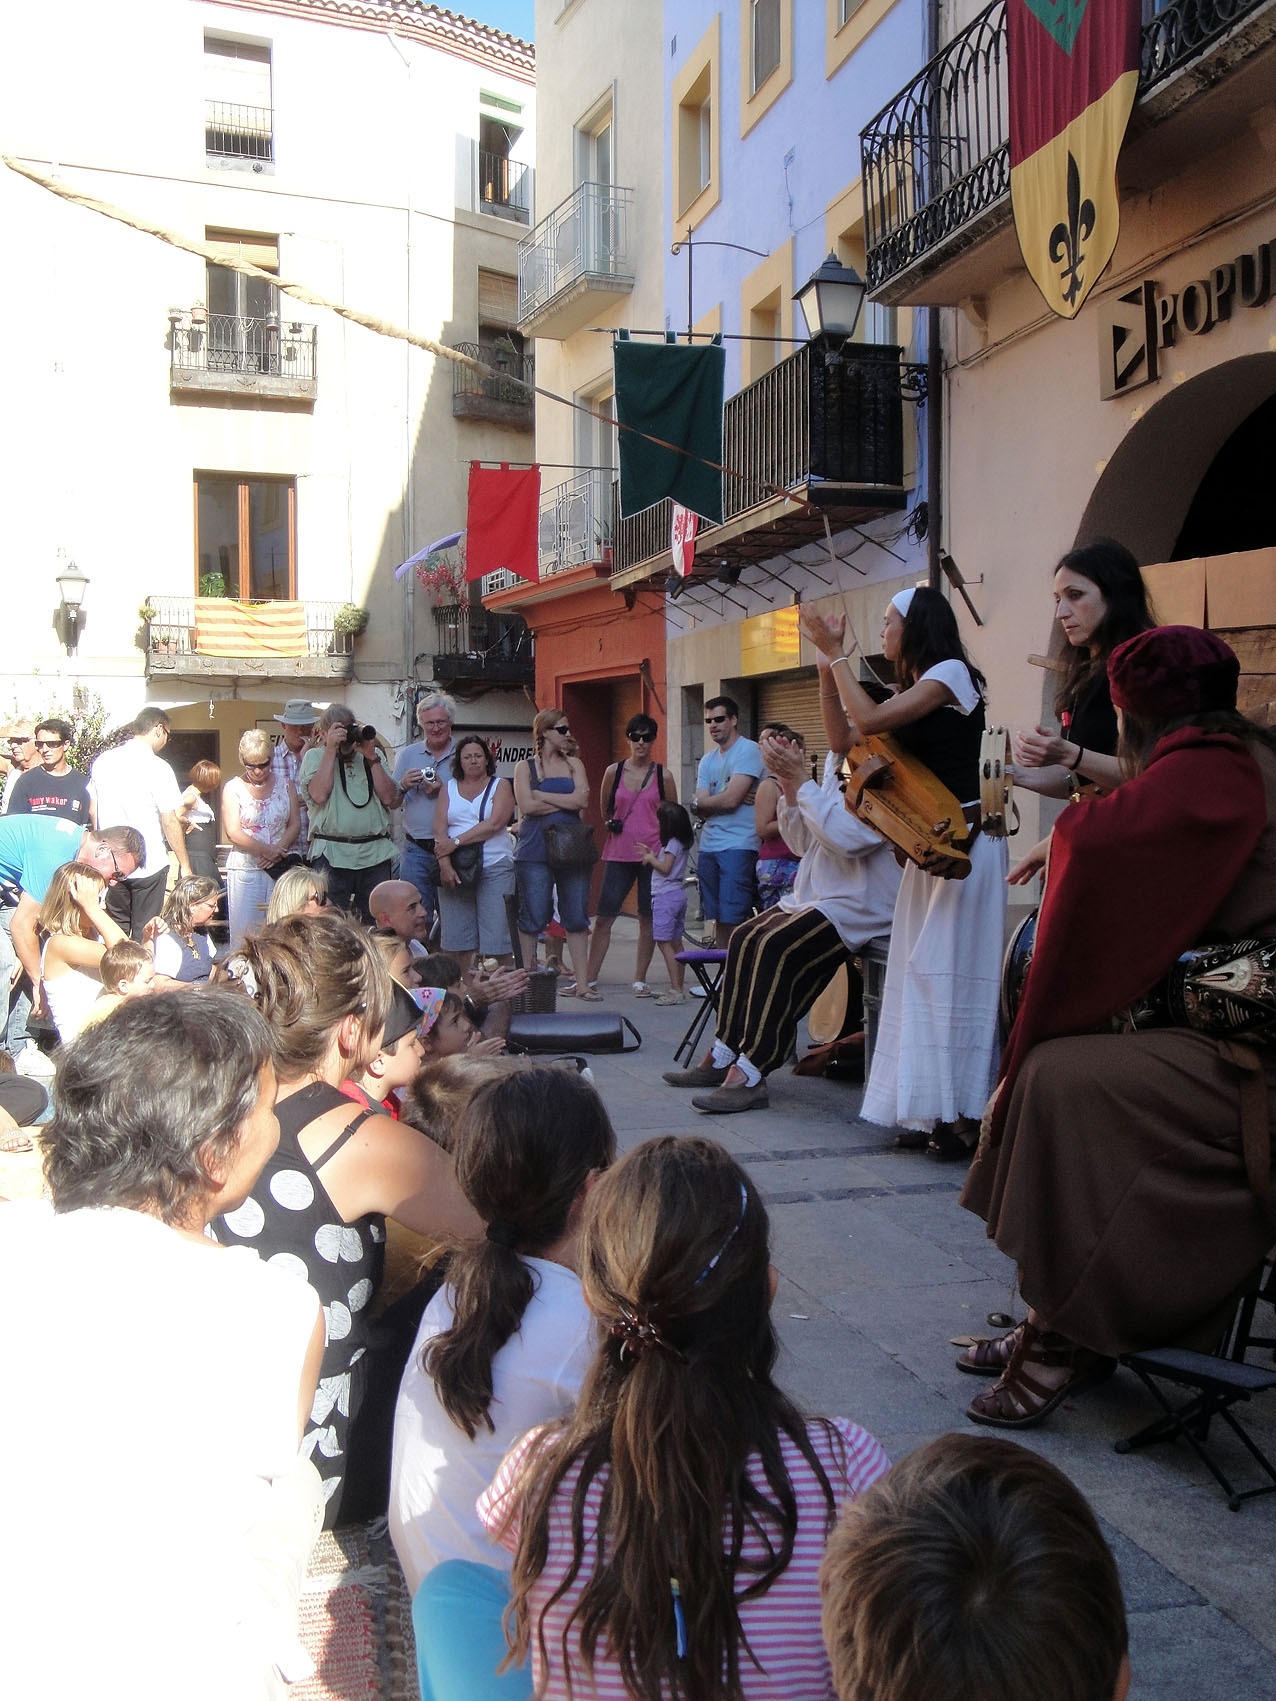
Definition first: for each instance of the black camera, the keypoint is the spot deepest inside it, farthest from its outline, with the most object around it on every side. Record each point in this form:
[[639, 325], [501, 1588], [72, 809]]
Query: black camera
[[358, 735], [614, 826]]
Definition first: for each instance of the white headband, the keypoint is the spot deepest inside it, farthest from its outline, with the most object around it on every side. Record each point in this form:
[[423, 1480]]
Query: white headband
[[901, 602]]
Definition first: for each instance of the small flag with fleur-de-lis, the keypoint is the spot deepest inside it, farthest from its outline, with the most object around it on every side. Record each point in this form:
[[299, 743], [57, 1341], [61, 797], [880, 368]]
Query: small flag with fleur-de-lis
[[1074, 71]]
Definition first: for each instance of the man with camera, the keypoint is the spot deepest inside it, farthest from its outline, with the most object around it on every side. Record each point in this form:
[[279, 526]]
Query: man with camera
[[348, 791], [422, 770]]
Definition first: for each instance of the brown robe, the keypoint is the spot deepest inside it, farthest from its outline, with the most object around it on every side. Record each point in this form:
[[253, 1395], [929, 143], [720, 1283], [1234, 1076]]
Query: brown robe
[[1120, 1184]]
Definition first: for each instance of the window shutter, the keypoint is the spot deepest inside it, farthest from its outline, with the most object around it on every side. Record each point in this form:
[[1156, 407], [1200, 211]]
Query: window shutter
[[257, 250], [236, 72], [497, 299]]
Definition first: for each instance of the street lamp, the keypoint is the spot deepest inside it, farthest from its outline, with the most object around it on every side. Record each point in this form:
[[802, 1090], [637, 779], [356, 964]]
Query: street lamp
[[832, 299], [72, 584]]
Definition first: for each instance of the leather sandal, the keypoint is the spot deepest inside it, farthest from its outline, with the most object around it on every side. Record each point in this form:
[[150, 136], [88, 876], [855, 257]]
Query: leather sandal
[[910, 1140], [946, 1145], [991, 1355], [1017, 1400]]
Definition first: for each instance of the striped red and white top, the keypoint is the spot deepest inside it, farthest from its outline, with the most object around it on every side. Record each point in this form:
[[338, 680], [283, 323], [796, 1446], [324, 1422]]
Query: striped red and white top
[[783, 1626]]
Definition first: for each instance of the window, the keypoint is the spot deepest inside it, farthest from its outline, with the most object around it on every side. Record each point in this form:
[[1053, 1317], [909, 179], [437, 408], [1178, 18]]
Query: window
[[696, 189], [766, 313], [766, 57], [243, 312], [593, 144], [238, 120], [499, 343], [764, 43], [504, 182], [846, 9], [847, 25], [245, 537]]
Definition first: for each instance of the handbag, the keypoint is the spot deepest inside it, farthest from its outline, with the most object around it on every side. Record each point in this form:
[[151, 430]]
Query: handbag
[[568, 845], [293, 860], [467, 860]]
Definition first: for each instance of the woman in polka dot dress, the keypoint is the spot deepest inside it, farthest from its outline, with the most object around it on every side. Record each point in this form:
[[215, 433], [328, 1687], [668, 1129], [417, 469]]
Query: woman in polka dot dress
[[319, 1206]]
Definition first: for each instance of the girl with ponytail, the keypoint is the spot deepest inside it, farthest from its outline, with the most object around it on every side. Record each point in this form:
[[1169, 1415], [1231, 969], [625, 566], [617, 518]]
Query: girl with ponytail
[[505, 1345], [667, 1535]]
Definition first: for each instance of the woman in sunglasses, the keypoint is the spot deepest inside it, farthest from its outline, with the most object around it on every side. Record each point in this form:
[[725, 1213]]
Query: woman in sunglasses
[[632, 791], [260, 820], [552, 790]]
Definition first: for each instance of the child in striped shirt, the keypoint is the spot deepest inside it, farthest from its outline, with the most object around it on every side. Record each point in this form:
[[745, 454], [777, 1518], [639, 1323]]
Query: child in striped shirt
[[667, 1536]]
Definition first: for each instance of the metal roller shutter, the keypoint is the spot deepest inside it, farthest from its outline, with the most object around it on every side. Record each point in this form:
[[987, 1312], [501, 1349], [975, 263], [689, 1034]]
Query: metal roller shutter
[[794, 698]]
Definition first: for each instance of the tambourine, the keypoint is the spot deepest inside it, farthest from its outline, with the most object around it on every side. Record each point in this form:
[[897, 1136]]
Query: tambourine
[[997, 805]]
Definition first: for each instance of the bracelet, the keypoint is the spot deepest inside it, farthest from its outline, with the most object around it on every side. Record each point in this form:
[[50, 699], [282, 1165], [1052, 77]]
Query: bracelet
[[1072, 766], [844, 658]]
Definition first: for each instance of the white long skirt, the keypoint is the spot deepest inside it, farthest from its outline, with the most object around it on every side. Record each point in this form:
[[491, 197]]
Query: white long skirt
[[937, 1049]]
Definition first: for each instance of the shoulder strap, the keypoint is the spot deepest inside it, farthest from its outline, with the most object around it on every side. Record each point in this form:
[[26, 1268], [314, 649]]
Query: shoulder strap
[[532, 775], [660, 783], [350, 1128], [615, 789], [491, 786]]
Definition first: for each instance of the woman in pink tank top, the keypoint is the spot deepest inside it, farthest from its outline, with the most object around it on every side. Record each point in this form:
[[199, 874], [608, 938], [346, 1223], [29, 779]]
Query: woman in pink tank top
[[632, 791]]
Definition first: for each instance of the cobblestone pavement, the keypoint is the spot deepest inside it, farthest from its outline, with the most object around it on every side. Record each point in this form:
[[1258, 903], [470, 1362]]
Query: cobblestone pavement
[[879, 1268]]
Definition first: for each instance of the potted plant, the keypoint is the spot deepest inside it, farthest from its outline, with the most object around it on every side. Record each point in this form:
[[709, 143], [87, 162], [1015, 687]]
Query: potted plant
[[212, 585], [442, 578], [147, 611], [350, 620]]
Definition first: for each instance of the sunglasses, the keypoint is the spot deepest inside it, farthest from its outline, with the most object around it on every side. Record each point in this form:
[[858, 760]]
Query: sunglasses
[[715, 720], [49, 743], [641, 737], [320, 898], [14, 741], [562, 731], [255, 767]]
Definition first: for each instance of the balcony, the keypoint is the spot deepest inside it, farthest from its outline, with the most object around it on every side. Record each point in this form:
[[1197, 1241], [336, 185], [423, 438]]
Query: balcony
[[576, 262], [504, 187], [828, 429], [936, 159], [477, 648], [238, 135], [495, 401], [223, 354], [188, 637]]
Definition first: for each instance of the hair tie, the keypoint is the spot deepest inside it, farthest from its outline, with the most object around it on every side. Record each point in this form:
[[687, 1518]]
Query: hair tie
[[239, 969], [503, 1234], [636, 1332]]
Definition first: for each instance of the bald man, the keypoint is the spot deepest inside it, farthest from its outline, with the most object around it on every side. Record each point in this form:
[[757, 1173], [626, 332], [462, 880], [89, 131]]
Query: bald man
[[398, 905]]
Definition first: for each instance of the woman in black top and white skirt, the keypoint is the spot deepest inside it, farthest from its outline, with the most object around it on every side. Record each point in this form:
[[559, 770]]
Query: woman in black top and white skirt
[[936, 1054]]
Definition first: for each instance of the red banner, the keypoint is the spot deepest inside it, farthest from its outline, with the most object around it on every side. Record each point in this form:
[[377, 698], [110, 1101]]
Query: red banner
[[504, 511]]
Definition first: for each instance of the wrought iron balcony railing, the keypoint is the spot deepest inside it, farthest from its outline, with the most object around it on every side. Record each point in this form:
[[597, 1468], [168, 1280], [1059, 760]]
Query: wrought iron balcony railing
[[474, 643], [504, 187], [224, 342], [576, 523], [238, 132], [937, 157], [818, 418], [504, 359], [586, 237]]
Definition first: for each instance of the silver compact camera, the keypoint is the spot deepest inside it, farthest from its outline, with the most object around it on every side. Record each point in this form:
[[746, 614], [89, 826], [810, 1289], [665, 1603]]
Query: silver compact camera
[[428, 776]]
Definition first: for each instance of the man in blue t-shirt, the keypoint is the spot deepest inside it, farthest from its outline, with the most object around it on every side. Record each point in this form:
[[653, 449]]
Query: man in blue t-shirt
[[32, 847], [726, 782]]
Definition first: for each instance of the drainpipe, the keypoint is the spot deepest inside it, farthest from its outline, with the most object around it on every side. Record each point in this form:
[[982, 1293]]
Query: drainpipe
[[934, 379], [409, 528]]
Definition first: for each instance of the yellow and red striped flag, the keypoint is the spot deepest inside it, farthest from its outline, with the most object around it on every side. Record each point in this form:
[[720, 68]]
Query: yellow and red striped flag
[[1074, 72]]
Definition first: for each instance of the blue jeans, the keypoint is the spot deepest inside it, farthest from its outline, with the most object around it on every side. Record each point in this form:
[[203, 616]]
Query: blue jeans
[[536, 884], [17, 1010], [421, 867], [460, 1640]]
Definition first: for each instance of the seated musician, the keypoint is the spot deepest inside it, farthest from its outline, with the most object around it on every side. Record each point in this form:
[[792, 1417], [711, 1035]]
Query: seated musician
[[1129, 1173], [935, 1058], [779, 962]]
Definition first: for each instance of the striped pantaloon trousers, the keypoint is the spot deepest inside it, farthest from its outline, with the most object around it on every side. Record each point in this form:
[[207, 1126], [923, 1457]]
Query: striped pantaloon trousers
[[777, 965]]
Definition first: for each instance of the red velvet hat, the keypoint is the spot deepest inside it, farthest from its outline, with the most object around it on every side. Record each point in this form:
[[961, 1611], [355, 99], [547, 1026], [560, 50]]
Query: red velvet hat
[[1171, 671]]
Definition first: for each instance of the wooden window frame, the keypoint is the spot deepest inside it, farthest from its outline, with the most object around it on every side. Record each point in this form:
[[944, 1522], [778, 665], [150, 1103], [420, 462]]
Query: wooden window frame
[[243, 514]]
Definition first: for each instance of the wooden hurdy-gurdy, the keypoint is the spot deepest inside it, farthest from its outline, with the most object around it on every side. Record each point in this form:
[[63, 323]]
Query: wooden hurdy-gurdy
[[898, 795]]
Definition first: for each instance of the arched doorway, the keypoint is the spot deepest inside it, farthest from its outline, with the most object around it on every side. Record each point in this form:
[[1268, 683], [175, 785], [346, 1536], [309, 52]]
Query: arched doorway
[[1187, 491]]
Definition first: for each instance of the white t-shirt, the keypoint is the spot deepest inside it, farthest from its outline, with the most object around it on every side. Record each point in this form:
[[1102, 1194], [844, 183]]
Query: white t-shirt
[[438, 1473], [151, 1389], [133, 787]]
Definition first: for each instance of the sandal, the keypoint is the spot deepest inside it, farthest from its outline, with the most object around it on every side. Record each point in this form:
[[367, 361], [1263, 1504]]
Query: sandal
[[946, 1145], [910, 1140], [1017, 1400], [641, 989], [990, 1355], [15, 1141]]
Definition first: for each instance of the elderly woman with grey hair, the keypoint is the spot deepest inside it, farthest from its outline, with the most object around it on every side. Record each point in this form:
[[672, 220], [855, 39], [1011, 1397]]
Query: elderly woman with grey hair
[[261, 819], [156, 1383]]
